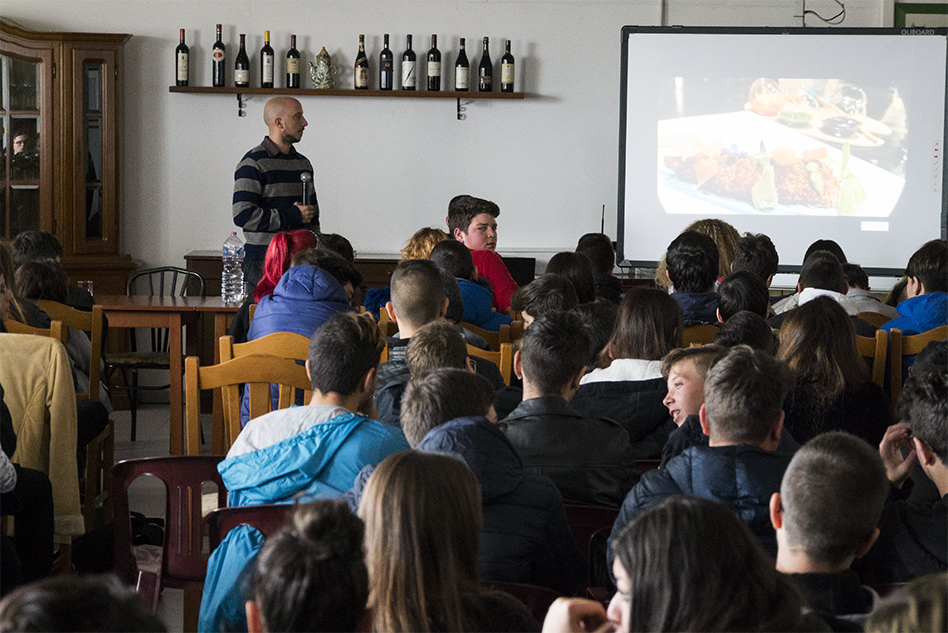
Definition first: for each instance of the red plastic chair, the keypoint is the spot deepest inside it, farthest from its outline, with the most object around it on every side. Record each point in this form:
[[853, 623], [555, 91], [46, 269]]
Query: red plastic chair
[[268, 519], [183, 561]]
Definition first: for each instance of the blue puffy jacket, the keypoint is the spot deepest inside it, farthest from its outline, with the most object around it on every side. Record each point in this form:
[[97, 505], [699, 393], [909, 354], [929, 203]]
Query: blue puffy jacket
[[479, 307], [303, 299]]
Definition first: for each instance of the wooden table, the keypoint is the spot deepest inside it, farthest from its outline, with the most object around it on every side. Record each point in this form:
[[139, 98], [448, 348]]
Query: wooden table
[[172, 313]]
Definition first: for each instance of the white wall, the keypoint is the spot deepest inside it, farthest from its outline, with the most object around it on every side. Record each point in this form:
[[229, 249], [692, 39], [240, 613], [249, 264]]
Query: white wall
[[386, 167]]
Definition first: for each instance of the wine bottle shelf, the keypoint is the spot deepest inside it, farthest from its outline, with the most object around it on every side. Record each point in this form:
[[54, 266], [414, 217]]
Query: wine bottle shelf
[[348, 92]]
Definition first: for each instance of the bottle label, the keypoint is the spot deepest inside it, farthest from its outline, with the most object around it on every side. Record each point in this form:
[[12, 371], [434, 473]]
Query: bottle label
[[361, 77], [218, 54], [486, 81], [461, 77], [182, 67], [386, 64], [506, 73], [293, 65], [408, 74], [434, 69], [267, 69], [241, 76]]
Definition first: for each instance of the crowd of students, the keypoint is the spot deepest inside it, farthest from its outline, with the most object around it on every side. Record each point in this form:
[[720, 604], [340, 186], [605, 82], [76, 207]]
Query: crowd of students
[[788, 487]]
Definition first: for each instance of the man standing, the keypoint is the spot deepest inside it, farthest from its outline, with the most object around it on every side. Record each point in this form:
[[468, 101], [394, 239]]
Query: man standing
[[268, 191]]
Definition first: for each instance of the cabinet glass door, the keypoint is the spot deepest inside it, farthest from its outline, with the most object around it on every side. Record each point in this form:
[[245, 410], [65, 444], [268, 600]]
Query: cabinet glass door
[[25, 202]]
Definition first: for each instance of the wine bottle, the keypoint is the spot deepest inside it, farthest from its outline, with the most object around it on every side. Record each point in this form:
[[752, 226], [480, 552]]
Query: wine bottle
[[292, 65], [361, 67], [217, 62], [242, 65], [266, 62], [462, 70], [408, 67], [434, 65], [386, 67], [485, 71], [507, 70], [181, 62]]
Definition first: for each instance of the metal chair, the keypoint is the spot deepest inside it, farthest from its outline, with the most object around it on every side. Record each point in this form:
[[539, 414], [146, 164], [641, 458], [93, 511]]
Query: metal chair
[[183, 559], [164, 282]]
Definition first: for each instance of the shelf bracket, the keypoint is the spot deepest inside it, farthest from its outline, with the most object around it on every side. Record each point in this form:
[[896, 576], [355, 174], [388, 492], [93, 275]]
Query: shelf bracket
[[462, 109], [240, 105]]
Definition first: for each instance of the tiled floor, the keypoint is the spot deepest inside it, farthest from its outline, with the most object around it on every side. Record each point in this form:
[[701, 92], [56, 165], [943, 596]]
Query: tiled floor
[[147, 496]]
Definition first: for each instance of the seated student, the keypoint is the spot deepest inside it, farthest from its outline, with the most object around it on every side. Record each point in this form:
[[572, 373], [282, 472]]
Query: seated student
[[423, 549], [756, 254], [589, 459], [473, 222], [789, 303], [419, 246], [630, 390], [600, 317], [90, 604], [921, 605], [825, 515], [747, 328], [688, 564], [418, 298], [822, 276], [544, 294], [18, 308], [858, 291], [314, 451], [832, 390], [34, 245], [280, 252], [741, 467], [912, 539], [455, 258], [578, 269], [433, 346], [692, 266], [742, 291], [311, 575], [598, 248], [926, 287], [725, 239]]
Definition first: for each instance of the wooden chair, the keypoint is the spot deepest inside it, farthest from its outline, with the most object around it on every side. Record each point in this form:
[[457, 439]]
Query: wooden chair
[[386, 325], [183, 560], [875, 318], [902, 346], [283, 344], [700, 334], [55, 329], [516, 330], [503, 358], [494, 339], [874, 348], [256, 371], [100, 452]]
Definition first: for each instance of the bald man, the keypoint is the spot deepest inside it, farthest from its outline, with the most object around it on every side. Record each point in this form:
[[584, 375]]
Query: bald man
[[268, 192]]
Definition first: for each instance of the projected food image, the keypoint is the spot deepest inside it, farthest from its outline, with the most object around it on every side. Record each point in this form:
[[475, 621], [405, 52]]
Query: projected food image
[[798, 147]]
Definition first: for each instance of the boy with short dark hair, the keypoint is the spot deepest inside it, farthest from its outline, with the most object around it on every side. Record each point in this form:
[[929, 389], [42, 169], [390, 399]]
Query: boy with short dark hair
[[473, 222], [35, 245], [589, 459], [598, 248], [825, 516], [927, 289], [742, 290], [455, 258], [747, 328], [859, 293], [692, 267], [756, 254], [543, 295]]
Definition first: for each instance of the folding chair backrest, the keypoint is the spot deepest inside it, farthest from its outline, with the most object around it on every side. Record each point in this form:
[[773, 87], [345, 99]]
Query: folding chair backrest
[[503, 359], [874, 348], [88, 322], [256, 371]]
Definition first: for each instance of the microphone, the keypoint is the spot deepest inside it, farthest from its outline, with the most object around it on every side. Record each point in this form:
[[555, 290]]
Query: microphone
[[306, 178]]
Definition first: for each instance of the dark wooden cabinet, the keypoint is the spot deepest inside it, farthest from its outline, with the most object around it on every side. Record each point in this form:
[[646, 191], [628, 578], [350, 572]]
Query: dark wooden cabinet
[[61, 107]]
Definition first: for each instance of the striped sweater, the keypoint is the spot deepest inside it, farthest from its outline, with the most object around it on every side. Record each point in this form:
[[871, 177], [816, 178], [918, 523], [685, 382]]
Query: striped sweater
[[266, 184]]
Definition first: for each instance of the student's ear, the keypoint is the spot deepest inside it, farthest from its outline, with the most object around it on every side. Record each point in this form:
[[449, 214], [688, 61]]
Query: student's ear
[[308, 374], [390, 309], [777, 428], [368, 381], [925, 453], [703, 417], [518, 364], [254, 624], [444, 309], [732, 267], [770, 279], [845, 290], [469, 364], [717, 312], [799, 287], [866, 543], [667, 276], [574, 383], [776, 511], [459, 236]]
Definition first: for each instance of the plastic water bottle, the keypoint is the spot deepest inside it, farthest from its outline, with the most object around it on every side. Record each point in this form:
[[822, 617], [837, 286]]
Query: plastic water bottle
[[232, 280]]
